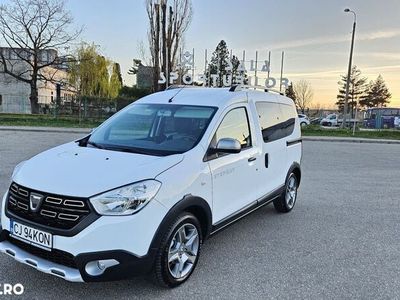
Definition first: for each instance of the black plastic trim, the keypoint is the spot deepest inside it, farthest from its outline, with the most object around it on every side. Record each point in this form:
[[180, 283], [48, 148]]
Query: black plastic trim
[[86, 221], [294, 142], [294, 166], [189, 202], [129, 265], [247, 210], [3, 234]]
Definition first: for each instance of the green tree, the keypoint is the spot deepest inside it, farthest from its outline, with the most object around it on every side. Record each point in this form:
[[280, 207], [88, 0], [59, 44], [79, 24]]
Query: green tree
[[236, 72], [115, 80], [290, 92], [218, 63], [89, 72], [356, 90], [102, 87], [377, 94]]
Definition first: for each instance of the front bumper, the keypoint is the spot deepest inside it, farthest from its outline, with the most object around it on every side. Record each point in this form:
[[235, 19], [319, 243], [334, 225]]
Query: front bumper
[[128, 265], [126, 239], [40, 264]]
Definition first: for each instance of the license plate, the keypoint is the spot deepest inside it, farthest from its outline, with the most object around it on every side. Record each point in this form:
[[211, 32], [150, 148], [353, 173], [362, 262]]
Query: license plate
[[31, 235]]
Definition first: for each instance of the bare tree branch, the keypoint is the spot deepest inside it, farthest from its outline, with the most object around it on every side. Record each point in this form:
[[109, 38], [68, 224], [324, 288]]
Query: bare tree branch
[[166, 32], [34, 31], [304, 94]]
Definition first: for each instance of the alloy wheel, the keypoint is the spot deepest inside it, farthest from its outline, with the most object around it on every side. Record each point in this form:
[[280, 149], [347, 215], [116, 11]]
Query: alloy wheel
[[183, 250], [291, 192]]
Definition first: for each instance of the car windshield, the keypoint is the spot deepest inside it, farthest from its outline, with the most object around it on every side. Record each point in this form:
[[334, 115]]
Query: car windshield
[[154, 129]]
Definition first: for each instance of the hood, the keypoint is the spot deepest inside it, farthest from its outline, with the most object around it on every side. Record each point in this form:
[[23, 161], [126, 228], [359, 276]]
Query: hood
[[70, 170]]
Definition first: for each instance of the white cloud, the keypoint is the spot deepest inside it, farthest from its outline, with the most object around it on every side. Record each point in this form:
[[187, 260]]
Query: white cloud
[[327, 74], [367, 36]]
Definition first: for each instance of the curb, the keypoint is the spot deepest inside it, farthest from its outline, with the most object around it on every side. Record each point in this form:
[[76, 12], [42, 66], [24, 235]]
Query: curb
[[45, 129], [350, 140], [305, 138]]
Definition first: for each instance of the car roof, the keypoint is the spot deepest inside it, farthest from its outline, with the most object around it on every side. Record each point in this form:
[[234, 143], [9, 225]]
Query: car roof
[[218, 97]]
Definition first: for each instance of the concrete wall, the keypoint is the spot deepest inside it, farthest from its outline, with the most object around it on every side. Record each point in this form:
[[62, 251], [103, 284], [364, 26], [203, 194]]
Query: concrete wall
[[14, 94]]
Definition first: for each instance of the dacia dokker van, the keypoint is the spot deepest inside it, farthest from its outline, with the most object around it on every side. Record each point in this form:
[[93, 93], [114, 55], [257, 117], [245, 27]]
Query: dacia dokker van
[[141, 193]]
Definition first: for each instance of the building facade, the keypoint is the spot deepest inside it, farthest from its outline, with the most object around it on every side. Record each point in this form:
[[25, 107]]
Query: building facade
[[14, 94]]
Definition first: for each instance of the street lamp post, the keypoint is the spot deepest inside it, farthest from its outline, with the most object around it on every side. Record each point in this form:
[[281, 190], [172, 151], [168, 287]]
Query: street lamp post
[[346, 99]]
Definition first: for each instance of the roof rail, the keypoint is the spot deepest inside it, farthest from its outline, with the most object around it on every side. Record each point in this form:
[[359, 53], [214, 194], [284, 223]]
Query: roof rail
[[242, 87], [180, 86]]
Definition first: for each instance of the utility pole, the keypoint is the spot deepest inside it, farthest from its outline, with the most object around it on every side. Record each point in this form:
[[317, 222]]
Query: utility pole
[[346, 99], [280, 84]]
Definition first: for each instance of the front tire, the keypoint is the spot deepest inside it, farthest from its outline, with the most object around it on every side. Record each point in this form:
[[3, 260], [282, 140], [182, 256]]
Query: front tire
[[287, 200], [179, 251]]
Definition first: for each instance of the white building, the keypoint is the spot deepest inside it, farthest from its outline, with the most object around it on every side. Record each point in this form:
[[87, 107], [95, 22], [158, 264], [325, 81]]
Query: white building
[[14, 94]]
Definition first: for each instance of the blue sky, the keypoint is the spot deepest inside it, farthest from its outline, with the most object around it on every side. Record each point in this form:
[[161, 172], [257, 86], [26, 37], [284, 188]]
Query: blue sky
[[314, 34]]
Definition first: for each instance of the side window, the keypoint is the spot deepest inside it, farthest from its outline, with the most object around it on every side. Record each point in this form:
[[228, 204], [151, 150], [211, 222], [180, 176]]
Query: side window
[[235, 125], [276, 120], [289, 119], [1, 100]]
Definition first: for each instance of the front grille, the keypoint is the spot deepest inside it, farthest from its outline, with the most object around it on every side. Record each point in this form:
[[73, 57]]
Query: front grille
[[56, 256], [54, 210]]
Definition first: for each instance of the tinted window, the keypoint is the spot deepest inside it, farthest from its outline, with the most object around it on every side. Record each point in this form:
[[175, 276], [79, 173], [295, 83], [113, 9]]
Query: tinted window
[[276, 120], [156, 129], [235, 125]]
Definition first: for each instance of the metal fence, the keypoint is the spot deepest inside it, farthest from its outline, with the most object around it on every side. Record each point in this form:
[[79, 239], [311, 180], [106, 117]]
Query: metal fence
[[82, 108], [14, 104]]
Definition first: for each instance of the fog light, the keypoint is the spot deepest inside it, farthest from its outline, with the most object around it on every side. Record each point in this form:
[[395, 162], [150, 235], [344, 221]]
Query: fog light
[[97, 267], [101, 265]]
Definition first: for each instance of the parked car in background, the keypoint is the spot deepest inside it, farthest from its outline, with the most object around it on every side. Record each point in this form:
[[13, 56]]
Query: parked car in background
[[304, 120], [330, 120]]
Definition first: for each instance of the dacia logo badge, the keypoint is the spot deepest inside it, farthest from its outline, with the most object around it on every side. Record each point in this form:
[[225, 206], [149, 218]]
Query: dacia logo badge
[[34, 201]]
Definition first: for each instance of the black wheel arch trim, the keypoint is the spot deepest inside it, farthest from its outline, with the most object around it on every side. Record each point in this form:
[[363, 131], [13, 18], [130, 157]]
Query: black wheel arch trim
[[294, 167], [188, 203]]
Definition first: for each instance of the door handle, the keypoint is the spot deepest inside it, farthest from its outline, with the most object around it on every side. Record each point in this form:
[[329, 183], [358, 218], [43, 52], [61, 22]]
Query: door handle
[[251, 159]]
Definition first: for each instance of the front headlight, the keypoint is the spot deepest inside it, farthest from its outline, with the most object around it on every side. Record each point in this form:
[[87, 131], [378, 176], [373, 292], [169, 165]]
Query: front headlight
[[126, 200]]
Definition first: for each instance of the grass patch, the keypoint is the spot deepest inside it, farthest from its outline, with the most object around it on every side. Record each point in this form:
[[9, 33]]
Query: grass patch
[[46, 121], [316, 130]]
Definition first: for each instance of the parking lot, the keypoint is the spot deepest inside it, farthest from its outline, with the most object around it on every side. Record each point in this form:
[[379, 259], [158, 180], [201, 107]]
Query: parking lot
[[341, 240]]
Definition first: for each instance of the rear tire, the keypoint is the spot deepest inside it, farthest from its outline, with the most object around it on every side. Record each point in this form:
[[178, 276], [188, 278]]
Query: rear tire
[[179, 251], [287, 200]]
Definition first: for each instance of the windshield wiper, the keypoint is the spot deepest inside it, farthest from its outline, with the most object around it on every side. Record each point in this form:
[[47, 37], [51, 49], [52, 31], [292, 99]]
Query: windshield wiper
[[94, 145], [131, 150]]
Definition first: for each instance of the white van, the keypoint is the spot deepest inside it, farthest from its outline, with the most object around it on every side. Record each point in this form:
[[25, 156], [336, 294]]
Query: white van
[[330, 120], [144, 190]]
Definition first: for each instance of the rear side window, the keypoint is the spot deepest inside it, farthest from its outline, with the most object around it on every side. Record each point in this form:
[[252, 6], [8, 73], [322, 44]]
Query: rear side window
[[276, 120]]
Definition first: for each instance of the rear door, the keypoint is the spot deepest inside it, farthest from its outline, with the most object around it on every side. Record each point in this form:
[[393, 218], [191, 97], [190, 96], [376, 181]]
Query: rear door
[[273, 126]]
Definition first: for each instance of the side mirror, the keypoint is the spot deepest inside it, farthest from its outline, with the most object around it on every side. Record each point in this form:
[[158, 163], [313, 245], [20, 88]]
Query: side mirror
[[227, 145]]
